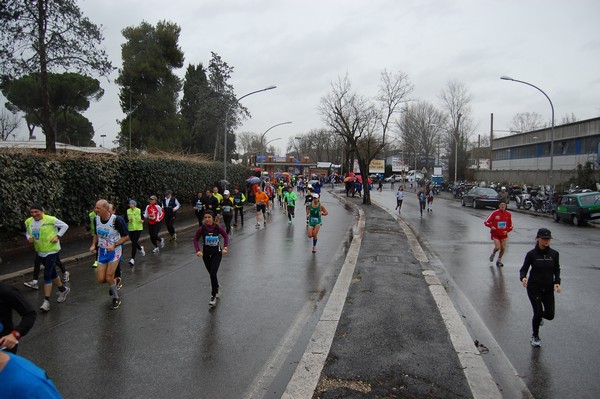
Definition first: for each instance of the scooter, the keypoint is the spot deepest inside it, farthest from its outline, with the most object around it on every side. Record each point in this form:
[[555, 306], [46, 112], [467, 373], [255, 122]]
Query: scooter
[[523, 200]]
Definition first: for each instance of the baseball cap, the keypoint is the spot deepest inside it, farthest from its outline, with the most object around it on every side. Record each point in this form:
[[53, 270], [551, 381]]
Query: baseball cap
[[153, 197], [315, 195], [226, 192], [544, 233]]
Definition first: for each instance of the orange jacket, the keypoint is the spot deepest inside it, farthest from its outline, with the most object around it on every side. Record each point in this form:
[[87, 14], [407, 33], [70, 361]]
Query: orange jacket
[[262, 197]]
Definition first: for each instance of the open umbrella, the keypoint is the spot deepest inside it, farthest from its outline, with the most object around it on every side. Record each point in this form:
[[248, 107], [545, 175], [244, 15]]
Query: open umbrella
[[253, 180], [349, 179]]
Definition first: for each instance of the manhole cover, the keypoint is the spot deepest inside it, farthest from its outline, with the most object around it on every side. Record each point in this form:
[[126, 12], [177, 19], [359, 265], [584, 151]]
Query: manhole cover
[[387, 259]]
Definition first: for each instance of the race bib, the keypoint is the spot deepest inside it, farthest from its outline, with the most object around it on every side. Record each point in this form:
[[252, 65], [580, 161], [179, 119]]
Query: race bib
[[237, 200], [501, 225], [314, 219], [211, 241], [227, 208]]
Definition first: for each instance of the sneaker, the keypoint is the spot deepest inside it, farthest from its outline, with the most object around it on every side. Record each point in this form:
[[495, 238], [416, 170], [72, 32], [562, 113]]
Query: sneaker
[[66, 277], [213, 301], [289, 222], [116, 302], [33, 284], [95, 264], [499, 264], [142, 252], [314, 250], [162, 242], [536, 342], [131, 262], [45, 306], [218, 292], [62, 296], [156, 250], [119, 282], [258, 225], [492, 257], [174, 237]]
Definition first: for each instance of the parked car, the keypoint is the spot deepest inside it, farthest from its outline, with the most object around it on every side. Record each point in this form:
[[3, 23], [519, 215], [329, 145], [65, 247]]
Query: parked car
[[480, 197], [393, 178], [578, 207]]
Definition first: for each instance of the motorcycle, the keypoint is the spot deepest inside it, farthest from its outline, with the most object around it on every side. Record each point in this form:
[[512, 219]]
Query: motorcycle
[[523, 200]]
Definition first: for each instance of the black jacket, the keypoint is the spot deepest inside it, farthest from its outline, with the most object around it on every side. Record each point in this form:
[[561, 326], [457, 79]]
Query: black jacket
[[11, 299], [545, 268]]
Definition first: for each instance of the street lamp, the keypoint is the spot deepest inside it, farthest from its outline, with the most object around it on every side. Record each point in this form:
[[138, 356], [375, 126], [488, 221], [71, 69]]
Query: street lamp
[[551, 131], [130, 120], [225, 126], [456, 148], [262, 137]]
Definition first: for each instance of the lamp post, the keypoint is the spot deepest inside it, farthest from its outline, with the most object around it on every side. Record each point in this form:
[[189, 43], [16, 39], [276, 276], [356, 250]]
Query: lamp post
[[456, 148], [262, 137], [551, 130], [129, 120], [237, 100]]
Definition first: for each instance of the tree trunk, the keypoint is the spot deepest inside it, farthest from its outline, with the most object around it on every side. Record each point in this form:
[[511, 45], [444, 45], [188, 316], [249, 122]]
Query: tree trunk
[[46, 114]]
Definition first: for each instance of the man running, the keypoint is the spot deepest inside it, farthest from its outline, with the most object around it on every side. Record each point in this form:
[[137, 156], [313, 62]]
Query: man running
[[44, 232], [399, 198], [500, 224], [111, 234], [262, 200], [170, 205], [238, 199], [315, 211], [154, 214], [289, 198]]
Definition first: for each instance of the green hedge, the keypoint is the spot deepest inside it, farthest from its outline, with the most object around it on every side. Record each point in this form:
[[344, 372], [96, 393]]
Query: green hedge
[[67, 185]]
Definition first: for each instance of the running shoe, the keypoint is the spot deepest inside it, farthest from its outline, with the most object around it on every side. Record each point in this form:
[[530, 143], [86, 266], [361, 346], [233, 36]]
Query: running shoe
[[314, 250], [218, 292], [119, 282], [492, 257], [289, 222], [95, 264], [62, 296], [131, 262], [536, 342], [499, 264], [213, 301], [116, 302], [45, 306], [33, 284], [66, 277], [162, 242], [156, 250], [142, 252]]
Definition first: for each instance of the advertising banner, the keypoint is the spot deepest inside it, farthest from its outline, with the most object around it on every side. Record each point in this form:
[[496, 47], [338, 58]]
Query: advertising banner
[[398, 165], [377, 166]]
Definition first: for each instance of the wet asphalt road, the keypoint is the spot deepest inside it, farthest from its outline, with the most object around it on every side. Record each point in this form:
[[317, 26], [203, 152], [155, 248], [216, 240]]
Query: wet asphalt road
[[567, 364], [165, 337]]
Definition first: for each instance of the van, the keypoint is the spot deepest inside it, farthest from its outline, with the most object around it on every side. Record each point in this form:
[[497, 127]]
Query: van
[[413, 176]]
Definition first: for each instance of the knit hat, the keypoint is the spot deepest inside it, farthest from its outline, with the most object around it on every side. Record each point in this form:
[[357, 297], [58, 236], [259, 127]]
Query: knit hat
[[544, 233], [36, 206], [131, 201]]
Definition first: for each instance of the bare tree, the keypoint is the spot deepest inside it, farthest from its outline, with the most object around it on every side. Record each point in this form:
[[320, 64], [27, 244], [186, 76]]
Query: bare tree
[[456, 99], [526, 122], [568, 119], [9, 122], [362, 123]]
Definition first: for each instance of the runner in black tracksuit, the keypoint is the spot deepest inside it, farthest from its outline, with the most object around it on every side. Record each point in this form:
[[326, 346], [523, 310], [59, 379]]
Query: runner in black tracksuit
[[544, 278]]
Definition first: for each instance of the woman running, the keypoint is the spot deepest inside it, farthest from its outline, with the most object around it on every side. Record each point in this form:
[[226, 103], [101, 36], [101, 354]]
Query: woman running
[[211, 252], [135, 226], [315, 211]]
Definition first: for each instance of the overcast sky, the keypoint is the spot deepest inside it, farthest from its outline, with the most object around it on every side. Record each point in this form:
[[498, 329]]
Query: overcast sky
[[303, 46]]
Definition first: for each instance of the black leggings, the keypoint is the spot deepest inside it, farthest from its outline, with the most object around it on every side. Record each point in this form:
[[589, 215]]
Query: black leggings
[[153, 230], [212, 263], [241, 213], [227, 220], [134, 236], [200, 216], [542, 302], [290, 212], [38, 262]]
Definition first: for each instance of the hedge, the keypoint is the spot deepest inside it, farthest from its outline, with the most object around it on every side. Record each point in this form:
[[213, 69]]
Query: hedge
[[68, 184]]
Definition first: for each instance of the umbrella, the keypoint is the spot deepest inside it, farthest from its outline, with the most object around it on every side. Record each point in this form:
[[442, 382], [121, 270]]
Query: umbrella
[[349, 179], [253, 180]]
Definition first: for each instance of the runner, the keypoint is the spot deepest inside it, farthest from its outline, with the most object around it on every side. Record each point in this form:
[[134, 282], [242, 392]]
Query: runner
[[261, 206], [111, 234], [118, 279], [11, 300], [290, 199], [422, 199], [170, 206], [399, 198], [20, 379], [211, 252], [199, 207], [238, 199], [544, 279], [315, 211], [227, 210], [44, 232], [500, 224], [280, 190], [135, 224], [429, 197], [218, 198], [300, 187], [270, 191], [154, 214], [37, 263]]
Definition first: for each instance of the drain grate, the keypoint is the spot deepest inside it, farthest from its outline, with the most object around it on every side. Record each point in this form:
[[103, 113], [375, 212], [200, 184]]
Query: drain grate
[[387, 259]]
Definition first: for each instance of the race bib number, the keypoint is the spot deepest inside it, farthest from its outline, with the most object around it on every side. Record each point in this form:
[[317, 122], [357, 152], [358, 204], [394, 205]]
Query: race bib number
[[237, 200], [501, 225], [314, 219], [35, 233], [211, 241], [227, 208]]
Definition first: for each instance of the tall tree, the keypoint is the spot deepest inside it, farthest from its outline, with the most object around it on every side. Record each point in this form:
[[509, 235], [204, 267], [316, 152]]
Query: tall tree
[[195, 111], [40, 36], [69, 94], [149, 87], [456, 99], [362, 123]]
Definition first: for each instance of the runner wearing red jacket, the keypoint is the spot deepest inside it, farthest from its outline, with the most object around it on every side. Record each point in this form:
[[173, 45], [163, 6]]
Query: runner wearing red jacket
[[500, 224]]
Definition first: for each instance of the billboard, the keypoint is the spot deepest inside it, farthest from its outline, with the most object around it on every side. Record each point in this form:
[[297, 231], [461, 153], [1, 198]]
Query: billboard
[[377, 166], [398, 165]]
